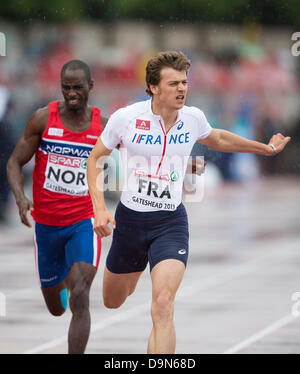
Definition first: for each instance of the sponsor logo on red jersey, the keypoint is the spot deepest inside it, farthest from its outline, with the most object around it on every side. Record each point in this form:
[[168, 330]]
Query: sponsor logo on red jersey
[[74, 162], [55, 132]]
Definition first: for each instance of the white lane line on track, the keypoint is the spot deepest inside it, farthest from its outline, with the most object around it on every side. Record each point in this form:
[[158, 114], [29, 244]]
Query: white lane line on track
[[261, 334], [119, 317], [233, 272]]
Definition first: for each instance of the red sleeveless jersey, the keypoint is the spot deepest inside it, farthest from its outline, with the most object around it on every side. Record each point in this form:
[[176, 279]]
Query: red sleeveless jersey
[[60, 189]]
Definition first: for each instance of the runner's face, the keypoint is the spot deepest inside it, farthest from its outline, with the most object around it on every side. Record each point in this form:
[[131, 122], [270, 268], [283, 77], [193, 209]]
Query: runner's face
[[172, 89], [75, 88]]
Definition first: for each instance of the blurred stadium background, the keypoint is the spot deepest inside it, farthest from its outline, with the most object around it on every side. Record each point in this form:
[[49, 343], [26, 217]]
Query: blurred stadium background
[[243, 73], [244, 77]]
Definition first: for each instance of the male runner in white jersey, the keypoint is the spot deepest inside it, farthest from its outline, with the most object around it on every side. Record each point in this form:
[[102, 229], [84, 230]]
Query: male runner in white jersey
[[150, 222]]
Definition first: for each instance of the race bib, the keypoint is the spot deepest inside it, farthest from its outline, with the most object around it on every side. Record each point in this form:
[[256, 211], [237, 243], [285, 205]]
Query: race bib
[[66, 174]]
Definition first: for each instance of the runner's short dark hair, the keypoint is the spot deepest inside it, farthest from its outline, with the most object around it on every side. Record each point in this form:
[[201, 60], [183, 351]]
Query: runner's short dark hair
[[172, 59], [77, 65]]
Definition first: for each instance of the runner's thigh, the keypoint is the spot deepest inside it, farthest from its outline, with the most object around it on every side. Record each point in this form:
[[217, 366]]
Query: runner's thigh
[[83, 244], [116, 287], [166, 277], [50, 255], [56, 298]]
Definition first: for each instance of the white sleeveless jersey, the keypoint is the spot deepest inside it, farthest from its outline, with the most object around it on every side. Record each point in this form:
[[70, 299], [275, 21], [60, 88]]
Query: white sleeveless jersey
[[154, 160]]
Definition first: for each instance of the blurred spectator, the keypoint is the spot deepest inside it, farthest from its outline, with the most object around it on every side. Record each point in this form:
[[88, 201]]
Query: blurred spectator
[[6, 146], [234, 83]]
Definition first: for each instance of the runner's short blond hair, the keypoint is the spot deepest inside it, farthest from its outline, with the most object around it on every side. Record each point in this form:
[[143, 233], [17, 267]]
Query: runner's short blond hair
[[172, 59]]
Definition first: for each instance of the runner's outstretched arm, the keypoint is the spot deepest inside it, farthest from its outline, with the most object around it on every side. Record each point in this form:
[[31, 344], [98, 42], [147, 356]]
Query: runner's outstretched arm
[[95, 168], [225, 141]]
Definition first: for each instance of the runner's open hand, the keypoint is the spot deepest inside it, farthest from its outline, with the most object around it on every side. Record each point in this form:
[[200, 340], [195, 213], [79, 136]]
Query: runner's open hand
[[279, 141]]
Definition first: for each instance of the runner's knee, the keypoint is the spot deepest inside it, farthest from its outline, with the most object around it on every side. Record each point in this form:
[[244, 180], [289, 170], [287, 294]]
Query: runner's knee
[[56, 311], [116, 288], [162, 307], [79, 297], [113, 302], [57, 302]]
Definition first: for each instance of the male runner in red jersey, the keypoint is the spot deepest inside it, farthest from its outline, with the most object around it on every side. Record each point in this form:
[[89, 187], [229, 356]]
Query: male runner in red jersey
[[67, 251]]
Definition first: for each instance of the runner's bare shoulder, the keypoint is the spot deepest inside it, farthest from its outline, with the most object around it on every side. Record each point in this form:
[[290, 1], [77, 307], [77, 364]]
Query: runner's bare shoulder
[[38, 121]]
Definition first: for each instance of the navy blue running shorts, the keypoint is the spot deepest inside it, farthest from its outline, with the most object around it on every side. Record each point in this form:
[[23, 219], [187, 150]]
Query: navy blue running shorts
[[140, 237]]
